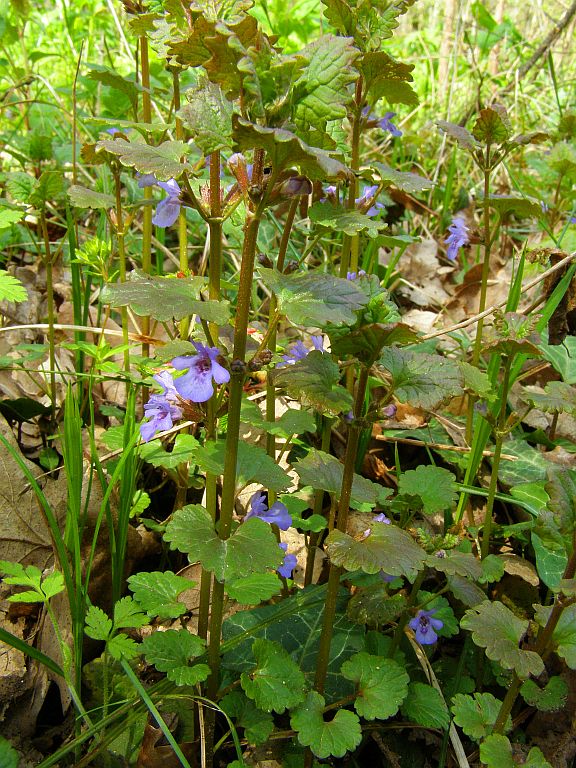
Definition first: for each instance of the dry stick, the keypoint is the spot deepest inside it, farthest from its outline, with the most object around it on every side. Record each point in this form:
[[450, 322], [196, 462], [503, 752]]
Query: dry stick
[[440, 446], [541, 51]]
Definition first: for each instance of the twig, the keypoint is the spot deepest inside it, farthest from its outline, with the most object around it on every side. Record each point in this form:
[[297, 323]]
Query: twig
[[439, 446]]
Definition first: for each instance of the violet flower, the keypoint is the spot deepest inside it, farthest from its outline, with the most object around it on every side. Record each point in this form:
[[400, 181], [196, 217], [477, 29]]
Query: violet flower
[[161, 414], [298, 351], [354, 275], [168, 209], [366, 199], [424, 625], [288, 564], [458, 236], [203, 370], [385, 122], [277, 514]]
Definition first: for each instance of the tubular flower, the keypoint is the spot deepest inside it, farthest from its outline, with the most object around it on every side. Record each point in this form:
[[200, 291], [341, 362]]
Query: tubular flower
[[366, 200], [288, 564], [168, 209], [298, 351], [203, 370], [161, 414], [457, 238], [277, 514], [385, 122], [424, 625]]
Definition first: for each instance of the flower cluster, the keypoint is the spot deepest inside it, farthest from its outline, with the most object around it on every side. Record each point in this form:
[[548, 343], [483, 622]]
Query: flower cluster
[[298, 351], [278, 515], [160, 410], [458, 236], [168, 209]]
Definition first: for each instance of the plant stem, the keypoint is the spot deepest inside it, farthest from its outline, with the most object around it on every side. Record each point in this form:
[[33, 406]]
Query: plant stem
[[147, 213], [350, 244], [50, 311], [120, 234], [318, 505], [341, 523]]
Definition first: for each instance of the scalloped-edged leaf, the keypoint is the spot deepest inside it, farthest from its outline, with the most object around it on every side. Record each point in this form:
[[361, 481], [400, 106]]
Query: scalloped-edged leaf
[[523, 207], [387, 548], [403, 180], [367, 342], [426, 381], [163, 161], [382, 685], [455, 563], [314, 298], [112, 79], [182, 451], [564, 635], [47, 188], [536, 759], [286, 150], [9, 216], [82, 197], [492, 125], [11, 289], [128, 614], [252, 548], [477, 714], [171, 652], [561, 488], [374, 607], [496, 752], [164, 298], [495, 628], [296, 623], [388, 78], [208, 117], [458, 132], [465, 590], [157, 593], [340, 219], [563, 358], [314, 381], [321, 470], [253, 464], [434, 486], [558, 397], [340, 14], [257, 725], [336, 737], [322, 91], [98, 624], [253, 590], [476, 381], [275, 683], [547, 699], [426, 706], [121, 646], [536, 137]]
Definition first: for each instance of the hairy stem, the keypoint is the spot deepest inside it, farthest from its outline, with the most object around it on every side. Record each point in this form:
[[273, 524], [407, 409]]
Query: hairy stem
[[147, 213], [48, 264]]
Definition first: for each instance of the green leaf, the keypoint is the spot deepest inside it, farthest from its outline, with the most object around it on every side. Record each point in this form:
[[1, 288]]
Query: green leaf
[[322, 93], [163, 161], [292, 422], [523, 207], [183, 450], [495, 628], [382, 685], [98, 625], [127, 613], [157, 593], [20, 186], [8, 756], [257, 725], [339, 219], [366, 343], [426, 706], [171, 652], [551, 557], [564, 635], [477, 714], [321, 470], [492, 125], [492, 569], [561, 488], [22, 409], [426, 381], [252, 590], [462, 136], [403, 180], [208, 116], [386, 77], [82, 197], [314, 381], [165, 298], [536, 759], [121, 646], [112, 79], [387, 548], [558, 397], [53, 584], [340, 735], [476, 381], [374, 607], [286, 150], [9, 216], [496, 752], [548, 699], [275, 683], [455, 563], [532, 495], [253, 464], [313, 298], [465, 590], [46, 189], [563, 358], [434, 486], [252, 548], [530, 466]]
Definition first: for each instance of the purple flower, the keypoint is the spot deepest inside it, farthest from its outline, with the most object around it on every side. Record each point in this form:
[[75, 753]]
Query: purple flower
[[296, 186], [424, 626], [389, 411], [298, 351], [572, 220], [168, 209], [277, 514], [386, 577], [458, 236], [164, 378], [385, 123], [288, 564], [203, 369], [381, 518], [366, 201], [161, 414], [354, 275]]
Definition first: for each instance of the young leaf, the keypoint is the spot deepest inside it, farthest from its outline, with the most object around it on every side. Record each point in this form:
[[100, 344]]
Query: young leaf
[[9, 758], [163, 161], [183, 450], [558, 397], [492, 125], [548, 699], [388, 78], [561, 488], [340, 219], [564, 635], [275, 683], [171, 652], [253, 464], [462, 136], [374, 607], [9, 216], [121, 646], [53, 584], [426, 706], [403, 180], [536, 759], [11, 289], [82, 197], [127, 613], [98, 625], [314, 381], [434, 486], [251, 549], [208, 116], [336, 737], [477, 714], [157, 593], [321, 470], [257, 725], [495, 628], [252, 590], [382, 685], [426, 381], [455, 563], [496, 752], [387, 548], [164, 298]]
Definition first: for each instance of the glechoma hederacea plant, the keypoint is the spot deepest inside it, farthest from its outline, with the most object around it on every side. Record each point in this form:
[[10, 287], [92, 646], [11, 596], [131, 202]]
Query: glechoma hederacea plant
[[325, 603]]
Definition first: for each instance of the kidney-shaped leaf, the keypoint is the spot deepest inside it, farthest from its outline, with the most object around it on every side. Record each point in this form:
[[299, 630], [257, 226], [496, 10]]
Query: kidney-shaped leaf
[[163, 161], [276, 682], [382, 685], [336, 737]]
